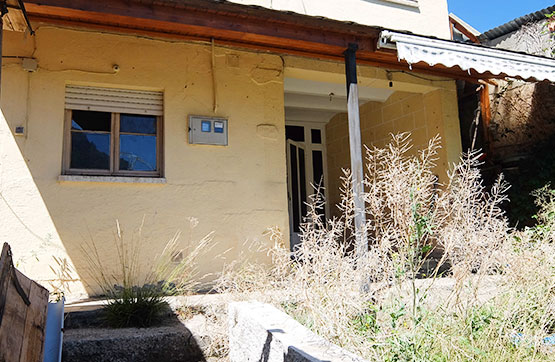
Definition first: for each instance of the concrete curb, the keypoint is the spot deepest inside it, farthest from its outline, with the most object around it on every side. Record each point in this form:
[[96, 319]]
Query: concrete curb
[[260, 332]]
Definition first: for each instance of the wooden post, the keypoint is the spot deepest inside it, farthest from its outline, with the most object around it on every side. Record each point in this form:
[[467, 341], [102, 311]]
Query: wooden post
[[355, 144]]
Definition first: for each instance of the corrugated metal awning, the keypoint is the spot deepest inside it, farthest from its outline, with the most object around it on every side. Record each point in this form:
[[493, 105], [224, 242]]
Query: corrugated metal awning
[[414, 49]]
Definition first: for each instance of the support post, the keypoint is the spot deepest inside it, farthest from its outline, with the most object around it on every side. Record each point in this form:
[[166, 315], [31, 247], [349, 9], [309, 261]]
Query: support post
[[355, 145]]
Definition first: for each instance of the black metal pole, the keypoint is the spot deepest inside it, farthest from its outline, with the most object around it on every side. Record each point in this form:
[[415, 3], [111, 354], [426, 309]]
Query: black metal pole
[[351, 65]]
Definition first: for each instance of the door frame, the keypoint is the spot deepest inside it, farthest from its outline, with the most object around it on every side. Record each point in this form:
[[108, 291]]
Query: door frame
[[309, 179]]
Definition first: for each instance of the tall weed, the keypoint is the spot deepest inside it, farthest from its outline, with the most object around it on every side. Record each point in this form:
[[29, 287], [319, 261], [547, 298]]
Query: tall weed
[[444, 277], [135, 290]]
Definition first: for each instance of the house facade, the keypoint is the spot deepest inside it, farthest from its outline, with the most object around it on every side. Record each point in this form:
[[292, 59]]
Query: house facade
[[155, 112]]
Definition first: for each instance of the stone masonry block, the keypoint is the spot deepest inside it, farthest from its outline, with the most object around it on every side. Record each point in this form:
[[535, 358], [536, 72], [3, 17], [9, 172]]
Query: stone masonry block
[[260, 332]]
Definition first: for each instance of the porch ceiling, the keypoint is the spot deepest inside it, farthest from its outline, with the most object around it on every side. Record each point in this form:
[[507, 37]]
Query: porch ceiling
[[314, 101]]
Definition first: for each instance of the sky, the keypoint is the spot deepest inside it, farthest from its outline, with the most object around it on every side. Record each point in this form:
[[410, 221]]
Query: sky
[[484, 15]]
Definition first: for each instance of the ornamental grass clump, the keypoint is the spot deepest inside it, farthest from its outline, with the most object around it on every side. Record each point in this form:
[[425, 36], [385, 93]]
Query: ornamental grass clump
[[444, 277], [135, 290]]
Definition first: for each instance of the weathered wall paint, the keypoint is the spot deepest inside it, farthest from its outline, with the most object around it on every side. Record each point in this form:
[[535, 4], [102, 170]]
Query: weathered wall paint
[[236, 191], [423, 115], [426, 17]]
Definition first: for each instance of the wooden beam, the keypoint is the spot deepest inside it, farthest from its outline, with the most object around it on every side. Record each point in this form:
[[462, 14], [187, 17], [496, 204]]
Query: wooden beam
[[236, 26], [486, 118], [262, 26], [15, 19], [460, 27]]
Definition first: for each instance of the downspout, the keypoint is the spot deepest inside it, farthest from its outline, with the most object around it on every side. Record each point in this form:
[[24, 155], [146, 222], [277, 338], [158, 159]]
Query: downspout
[[3, 11], [355, 144]]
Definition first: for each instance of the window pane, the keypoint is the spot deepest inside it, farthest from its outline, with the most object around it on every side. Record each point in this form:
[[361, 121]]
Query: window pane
[[302, 181], [132, 123], [295, 189], [294, 133], [137, 153], [318, 174], [91, 121], [318, 168], [316, 136], [90, 150]]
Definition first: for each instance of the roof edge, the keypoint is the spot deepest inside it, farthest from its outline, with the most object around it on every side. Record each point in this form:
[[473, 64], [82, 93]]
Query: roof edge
[[515, 24]]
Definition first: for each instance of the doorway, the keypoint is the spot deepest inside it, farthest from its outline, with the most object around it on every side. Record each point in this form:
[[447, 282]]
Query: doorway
[[306, 172]]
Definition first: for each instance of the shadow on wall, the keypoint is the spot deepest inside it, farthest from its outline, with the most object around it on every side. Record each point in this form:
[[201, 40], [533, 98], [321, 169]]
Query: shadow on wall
[[55, 230], [523, 115], [25, 221]]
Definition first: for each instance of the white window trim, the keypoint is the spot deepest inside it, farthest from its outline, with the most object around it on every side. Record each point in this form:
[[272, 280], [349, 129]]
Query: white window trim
[[112, 179]]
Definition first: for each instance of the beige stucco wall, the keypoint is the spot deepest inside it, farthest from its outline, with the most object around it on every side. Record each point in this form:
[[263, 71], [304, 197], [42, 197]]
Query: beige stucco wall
[[236, 191], [424, 115], [426, 17]]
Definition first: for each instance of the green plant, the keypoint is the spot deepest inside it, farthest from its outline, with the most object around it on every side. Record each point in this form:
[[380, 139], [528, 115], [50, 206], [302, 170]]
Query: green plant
[[480, 319], [139, 307], [534, 172], [366, 322]]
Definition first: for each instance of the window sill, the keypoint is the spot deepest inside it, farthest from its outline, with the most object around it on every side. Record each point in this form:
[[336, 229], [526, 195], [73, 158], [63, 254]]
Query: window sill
[[410, 3], [112, 179]]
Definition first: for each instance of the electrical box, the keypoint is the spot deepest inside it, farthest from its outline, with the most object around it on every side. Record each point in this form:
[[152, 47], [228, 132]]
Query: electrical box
[[29, 64], [207, 130], [19, 130]]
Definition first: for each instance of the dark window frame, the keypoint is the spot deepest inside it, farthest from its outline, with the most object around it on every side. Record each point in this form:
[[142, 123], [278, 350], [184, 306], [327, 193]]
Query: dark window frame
[[114, 150]]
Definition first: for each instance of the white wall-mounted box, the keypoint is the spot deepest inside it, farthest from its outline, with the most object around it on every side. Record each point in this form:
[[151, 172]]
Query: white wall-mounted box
[[207, 130]]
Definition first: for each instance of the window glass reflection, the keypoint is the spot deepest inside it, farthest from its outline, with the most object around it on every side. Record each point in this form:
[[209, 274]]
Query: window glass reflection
[[137, 153], [90, 150]]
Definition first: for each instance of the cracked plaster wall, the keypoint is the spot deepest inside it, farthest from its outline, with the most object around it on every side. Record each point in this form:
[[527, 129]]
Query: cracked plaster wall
[[236, 191]]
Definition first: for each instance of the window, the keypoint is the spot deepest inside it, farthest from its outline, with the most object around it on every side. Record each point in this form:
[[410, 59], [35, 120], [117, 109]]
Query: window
[[112, 132]]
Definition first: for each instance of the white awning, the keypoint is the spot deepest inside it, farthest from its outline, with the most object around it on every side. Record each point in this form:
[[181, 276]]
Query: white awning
[[414, 49]]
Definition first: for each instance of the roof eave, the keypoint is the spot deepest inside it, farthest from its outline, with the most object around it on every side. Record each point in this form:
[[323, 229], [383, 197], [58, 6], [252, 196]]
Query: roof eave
[[235, 25]]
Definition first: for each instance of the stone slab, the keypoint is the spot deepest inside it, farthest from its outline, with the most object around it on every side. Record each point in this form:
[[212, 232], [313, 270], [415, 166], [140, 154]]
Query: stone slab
[[260, 332]]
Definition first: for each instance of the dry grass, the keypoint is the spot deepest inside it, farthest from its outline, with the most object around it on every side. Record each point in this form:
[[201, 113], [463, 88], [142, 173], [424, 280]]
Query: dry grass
[[410, 219], [136, 290]]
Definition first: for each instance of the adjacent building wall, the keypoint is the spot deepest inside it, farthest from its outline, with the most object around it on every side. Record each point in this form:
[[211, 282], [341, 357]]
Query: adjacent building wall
[[236, 191], [426, 17], [423, 115], [522, 112]]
